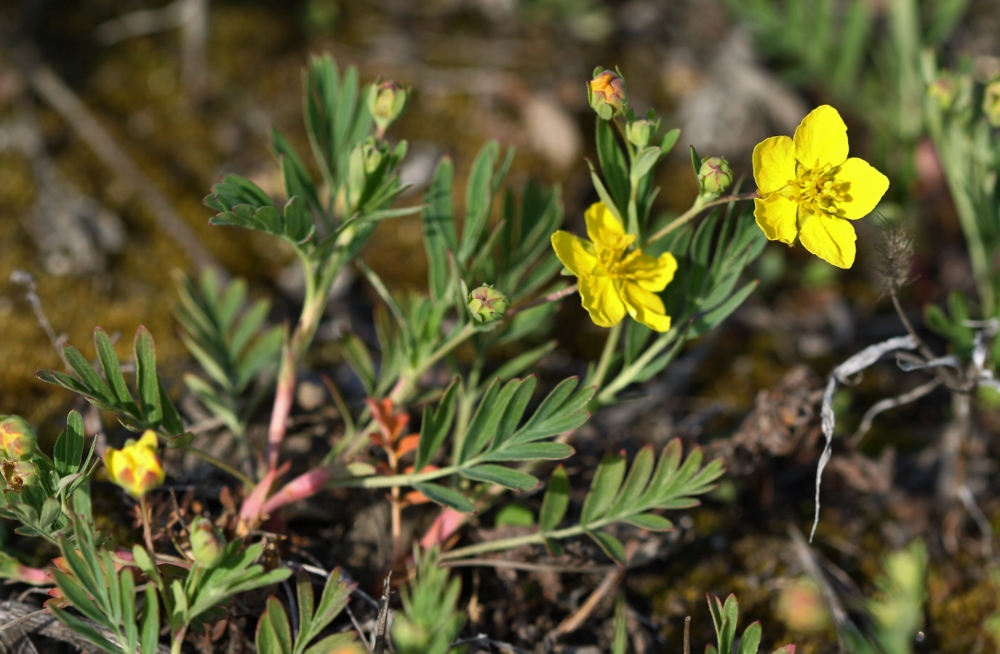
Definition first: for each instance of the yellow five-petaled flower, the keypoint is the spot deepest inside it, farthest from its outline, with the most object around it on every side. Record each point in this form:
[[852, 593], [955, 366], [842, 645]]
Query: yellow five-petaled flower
[[809, 188], [135, 467], [614, 280]]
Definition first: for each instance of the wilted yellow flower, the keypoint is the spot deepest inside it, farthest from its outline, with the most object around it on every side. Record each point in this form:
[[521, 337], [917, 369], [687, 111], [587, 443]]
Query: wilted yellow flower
[[135, 467], [809, 188], [613, 280]]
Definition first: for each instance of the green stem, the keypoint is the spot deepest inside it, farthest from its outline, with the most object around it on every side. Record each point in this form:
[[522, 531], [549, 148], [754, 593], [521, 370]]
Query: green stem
[[604, 363], [696, 208], [388, 481], [517, 541], [629, 373], [221, 465], [408, 380]]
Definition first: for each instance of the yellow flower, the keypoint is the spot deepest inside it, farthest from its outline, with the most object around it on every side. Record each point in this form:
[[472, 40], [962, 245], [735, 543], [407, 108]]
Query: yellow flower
[[135, 467], [809, 188], [614, 281]]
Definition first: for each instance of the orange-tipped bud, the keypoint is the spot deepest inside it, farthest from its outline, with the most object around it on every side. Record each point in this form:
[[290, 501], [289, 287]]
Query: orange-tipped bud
[[207, 544], [17, 439], [606, 93]]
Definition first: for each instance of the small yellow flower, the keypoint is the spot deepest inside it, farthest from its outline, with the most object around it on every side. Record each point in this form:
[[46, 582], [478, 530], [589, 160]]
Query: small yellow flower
[[613, 280], [135, 467], [809, 188]]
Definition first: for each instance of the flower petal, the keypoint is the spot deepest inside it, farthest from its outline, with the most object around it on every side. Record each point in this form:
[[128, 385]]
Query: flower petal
[[149, 440], [602, 226], [600, 299], [777, 216], [652, 273], [574, 253], [773, 163], [821, 139], [863, 187], [645, 307], [831, 239]]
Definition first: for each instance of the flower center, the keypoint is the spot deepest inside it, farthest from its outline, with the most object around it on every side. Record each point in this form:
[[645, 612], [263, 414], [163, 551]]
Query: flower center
[[614, 257], [817, 190]]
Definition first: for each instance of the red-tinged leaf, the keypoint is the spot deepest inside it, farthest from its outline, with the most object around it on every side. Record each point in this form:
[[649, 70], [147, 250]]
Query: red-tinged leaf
[[305, 485]]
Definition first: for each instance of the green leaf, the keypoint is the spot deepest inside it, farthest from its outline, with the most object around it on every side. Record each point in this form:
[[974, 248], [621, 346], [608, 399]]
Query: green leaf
[[85, 630], [546, 451], [279, 622], [306, 607], [556, 500], [68, 450], [81, 601], [713, 318], [650, 521], [668, 141], [603, 194], [478, 199], [750, 641], [334, 644], [486, 418], [696, 165], [612, 161], [611, 546], [446, 497], [149, 625], [360, 360], [436, 425], [524, 361], [439, 228], [562, 410], [149, 392], [266, 638], [112, 370], [514, 515], [335, 597], [603, 489], [643, 163], [91, 380], [513, 412], [506, 477], [636, 482], [620, 643]]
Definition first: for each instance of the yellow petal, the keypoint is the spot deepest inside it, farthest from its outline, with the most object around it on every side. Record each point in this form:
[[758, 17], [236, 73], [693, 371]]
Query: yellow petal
[[645, 307], [601, 301], [602, 226], [149, 440], [114, 462], [831, 239], [574, 253], [821, 139], [777, 215], [652, 273], [773, 163], [863, 187]]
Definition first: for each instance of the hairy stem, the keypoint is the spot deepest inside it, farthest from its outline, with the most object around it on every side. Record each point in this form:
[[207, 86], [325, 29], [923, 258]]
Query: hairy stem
[[696, 208]]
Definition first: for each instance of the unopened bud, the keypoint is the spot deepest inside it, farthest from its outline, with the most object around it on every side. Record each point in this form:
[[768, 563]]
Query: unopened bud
[[606, 94], [365, 160], [17, 438], [991, 102], [486, 304], [207, 544], [640, 131], [18, 474], [386, 102], [714, 176], [944, 90]]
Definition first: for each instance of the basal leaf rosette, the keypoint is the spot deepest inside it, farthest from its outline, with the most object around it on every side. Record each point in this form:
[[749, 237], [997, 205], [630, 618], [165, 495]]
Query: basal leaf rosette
[[614, 280], [809, 189]]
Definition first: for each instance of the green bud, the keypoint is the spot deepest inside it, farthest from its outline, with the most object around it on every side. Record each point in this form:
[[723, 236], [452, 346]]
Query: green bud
[[487, 304], [207, 544], [639, 132], [991, 102], [18, 474], [714, 176], [606, 94], [365, 160], [17, 438], [386, 102]]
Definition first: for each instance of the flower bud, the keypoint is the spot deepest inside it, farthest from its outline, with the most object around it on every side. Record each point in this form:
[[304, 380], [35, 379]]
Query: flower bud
[[18, 474], [714, 176], [386, 102], [365, 160], [486, 304], [640, 131], [17, 438], [207, 544], [944, 90], [606, 94], [991, 102]]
